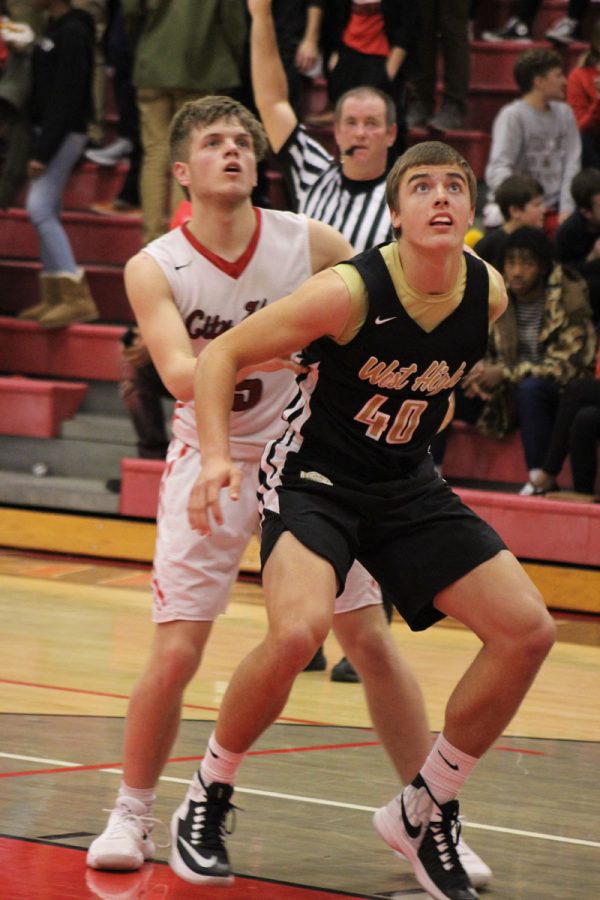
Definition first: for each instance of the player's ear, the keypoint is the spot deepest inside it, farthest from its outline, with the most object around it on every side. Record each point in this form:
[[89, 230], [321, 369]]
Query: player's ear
[[181, 173]]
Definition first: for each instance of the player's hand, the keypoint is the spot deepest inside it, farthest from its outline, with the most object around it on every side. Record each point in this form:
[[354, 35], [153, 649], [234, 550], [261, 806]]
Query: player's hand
[[204, 509]]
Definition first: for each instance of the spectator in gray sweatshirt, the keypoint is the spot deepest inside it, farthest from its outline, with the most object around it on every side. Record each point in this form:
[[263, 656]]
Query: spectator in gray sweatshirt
[[536, 135]]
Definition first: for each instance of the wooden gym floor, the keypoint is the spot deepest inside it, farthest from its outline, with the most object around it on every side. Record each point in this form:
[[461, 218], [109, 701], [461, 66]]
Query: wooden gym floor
[[74, 638]]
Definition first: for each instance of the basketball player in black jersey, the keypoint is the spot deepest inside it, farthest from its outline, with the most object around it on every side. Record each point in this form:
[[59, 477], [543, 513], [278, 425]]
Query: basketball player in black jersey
[[391, 334]]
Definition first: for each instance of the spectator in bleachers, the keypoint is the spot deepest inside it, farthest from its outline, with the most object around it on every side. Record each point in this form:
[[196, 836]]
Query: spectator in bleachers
[[543, 341], [578, 238], [568, 29], [521, 202], [536, 135], [61, 107], [372, 44], [519, 26], [446, 27], [583, 95], [182, 51], [98, 11], [19, 25], [127, 143], [576, 433], [298, 31]]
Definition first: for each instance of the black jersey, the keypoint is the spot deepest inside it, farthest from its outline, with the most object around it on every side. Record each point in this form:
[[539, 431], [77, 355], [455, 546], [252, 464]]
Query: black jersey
[[371, 407]]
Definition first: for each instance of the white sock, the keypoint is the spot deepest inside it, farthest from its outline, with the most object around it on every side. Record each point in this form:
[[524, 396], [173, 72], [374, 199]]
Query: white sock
[[446, 769], [147, 796], [219, 764]]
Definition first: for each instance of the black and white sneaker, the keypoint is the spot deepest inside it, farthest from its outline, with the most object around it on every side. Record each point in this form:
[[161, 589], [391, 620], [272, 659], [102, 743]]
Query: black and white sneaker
[[427, 834], [198, 829], [514, 30]]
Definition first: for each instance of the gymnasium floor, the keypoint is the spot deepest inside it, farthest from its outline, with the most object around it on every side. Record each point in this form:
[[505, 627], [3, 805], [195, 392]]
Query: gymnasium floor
[[74, 639]]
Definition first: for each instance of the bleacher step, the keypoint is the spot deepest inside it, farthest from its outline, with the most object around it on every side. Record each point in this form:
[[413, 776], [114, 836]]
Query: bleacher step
[[64, 457], [94, 238], [100, 429], [78, 351], [31, 407], [57, 493], [537, 528]]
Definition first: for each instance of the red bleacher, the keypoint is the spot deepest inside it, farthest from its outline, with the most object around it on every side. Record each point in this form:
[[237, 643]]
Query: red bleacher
[[79, 351], [34, 408]]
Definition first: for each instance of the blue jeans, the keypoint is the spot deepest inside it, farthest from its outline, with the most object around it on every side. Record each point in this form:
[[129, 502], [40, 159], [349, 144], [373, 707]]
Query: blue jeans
[[537, 402], [44, 203]]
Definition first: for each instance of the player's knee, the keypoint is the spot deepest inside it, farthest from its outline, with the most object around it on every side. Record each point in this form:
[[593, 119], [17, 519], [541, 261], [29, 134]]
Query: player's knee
[[176, 665], [535, 632], [297, 643]]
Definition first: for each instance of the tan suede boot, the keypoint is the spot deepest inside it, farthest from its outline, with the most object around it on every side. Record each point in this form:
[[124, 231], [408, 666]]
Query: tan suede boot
[[49, 297], [76, 303]]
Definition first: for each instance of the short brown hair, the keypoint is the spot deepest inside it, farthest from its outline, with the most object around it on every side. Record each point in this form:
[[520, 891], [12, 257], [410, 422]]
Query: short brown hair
[[427, 153], [203, 112], [532, 63], [367, 91], [517, 190]]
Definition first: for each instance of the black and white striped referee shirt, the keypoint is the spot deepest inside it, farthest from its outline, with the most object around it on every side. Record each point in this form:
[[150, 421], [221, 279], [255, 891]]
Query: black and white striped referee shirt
[[357, 209]]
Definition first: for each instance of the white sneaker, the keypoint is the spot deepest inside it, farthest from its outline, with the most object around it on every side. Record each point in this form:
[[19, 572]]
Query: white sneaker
[[479, 872], [563, 32], [125, 844], [112, 153]]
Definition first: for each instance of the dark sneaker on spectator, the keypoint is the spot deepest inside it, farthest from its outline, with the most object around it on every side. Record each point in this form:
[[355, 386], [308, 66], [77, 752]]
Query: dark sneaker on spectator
[[514, 30], [318, 663], [563, 32], [198, 829], [344, 671], [449, 118], [427, 834], [417, 115]]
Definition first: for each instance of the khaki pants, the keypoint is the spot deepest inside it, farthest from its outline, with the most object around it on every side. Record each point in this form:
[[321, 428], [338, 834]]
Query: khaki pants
[[157, 107]]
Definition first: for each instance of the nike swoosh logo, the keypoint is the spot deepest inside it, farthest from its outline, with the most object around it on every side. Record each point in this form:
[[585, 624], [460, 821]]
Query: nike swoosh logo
[[448, 763], [182, 266], [202, 862], [413, 831], [380, 321]]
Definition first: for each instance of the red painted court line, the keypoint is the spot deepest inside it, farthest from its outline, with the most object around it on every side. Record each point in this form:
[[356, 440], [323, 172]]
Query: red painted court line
[[89, 693], [118, 765], [520, 750], [34, 869]]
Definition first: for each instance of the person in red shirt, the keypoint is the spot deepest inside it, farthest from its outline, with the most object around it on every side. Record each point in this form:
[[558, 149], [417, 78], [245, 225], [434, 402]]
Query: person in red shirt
[[583, 95]]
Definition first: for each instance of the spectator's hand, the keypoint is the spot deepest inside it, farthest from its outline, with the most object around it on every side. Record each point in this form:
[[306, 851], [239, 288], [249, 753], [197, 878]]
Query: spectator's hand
[[562, 216], [35, 168], [594, 252], [491, 376], [333, 61], [204, 508], [307, 55]]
